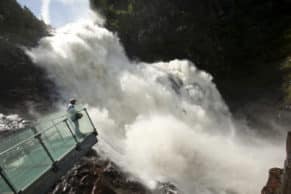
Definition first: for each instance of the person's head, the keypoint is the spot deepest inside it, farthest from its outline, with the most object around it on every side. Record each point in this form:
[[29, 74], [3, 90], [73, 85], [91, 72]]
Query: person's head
[[73, 101]]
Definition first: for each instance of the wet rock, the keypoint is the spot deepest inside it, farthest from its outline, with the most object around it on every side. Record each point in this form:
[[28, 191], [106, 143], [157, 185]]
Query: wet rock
[[12, 122], [96, 176], [93, 175], [167, 188], [274, 182]]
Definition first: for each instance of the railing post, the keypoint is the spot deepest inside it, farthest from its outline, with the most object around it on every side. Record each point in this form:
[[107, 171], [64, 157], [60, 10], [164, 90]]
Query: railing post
[[34, 130], [58, 130], [7, 181], [38, 137], [72, 133], [94, 128]]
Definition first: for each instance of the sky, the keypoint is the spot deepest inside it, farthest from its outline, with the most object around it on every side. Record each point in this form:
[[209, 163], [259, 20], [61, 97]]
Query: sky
[[58, 12]]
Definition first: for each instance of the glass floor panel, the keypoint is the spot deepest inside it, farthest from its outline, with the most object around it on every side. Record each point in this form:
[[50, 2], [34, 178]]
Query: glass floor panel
[[30, 153]]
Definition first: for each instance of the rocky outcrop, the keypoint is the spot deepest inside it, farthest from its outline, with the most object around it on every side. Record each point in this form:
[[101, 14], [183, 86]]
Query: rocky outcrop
[[279, 181], [274, 183], [11, 122], [96, 176]]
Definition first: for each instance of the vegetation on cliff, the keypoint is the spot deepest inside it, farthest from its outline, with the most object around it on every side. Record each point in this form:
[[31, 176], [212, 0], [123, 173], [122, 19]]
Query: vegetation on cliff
[[18, 25], [22, 83]]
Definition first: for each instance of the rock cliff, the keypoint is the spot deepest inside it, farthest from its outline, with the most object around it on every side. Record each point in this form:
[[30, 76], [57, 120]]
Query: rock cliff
[[22, 84]]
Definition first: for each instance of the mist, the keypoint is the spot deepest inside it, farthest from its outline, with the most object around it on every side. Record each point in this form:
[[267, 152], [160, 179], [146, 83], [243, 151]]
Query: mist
[[160, 122]]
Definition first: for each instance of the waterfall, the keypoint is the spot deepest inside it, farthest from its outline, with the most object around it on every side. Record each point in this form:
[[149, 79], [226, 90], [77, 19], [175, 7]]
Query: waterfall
[[161, 122]]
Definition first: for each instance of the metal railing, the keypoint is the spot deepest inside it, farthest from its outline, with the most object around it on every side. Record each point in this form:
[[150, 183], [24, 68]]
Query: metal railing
[[24, 162]]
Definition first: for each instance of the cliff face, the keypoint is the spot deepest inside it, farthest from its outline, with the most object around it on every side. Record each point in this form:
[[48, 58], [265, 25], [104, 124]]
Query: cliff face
[[18, 25], [242, 43], [22, 83]]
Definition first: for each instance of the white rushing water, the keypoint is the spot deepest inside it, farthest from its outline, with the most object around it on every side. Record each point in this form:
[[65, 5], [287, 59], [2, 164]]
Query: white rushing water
[[164, 121]]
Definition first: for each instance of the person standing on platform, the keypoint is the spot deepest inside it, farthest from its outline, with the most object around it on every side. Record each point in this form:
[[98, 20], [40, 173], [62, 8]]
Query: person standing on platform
[[74, 116]]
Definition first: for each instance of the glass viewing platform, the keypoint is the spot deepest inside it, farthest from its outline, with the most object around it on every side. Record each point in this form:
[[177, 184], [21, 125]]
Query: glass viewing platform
[[29, 153]]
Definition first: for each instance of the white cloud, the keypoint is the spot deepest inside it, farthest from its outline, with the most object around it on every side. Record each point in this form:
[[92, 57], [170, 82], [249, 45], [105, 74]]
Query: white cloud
[[45, 11]]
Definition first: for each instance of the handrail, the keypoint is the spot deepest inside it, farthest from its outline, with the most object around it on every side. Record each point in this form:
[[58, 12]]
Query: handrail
[[42, 130], [41, 142], [59, 117], [29, 138], [16, 145]]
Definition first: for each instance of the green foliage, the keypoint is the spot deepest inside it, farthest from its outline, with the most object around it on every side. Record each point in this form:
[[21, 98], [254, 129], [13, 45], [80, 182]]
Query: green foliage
[[21, 81], [19, 25]]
